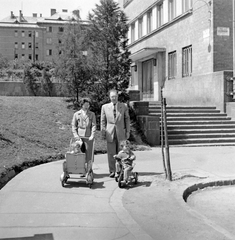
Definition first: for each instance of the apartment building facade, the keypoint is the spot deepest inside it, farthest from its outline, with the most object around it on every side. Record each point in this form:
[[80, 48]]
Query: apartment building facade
[[33, 38], [185, 46]]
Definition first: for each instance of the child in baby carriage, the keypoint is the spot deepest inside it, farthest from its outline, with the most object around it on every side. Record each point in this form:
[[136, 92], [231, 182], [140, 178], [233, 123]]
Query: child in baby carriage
[[124, 161]]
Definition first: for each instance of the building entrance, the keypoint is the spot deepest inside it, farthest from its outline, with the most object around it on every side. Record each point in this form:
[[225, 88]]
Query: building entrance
[[147, 80]]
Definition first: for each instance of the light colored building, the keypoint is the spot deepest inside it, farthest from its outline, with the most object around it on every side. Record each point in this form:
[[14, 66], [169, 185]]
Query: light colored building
[[188, 44], [32, 38]]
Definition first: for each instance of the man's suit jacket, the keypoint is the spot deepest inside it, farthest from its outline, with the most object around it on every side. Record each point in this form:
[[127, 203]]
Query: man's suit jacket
[[83, 127], [121, 123]]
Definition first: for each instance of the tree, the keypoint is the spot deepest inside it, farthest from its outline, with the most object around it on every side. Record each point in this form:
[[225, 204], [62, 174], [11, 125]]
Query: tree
[[37, 75], [108, 56], [71, 63]]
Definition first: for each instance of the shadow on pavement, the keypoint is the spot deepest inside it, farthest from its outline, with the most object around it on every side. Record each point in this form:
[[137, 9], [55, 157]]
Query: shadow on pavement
[[83, 184], [100, 175], [46, 236]]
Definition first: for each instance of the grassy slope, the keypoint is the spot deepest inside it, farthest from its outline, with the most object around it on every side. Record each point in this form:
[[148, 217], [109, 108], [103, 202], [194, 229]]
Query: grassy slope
[[36, 128]]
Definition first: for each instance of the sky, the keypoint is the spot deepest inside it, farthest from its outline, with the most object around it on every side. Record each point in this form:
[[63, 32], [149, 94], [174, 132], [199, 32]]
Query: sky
[[43, 7]]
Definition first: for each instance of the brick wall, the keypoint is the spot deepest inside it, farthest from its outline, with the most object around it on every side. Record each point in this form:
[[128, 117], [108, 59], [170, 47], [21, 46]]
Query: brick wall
[[223, 45]]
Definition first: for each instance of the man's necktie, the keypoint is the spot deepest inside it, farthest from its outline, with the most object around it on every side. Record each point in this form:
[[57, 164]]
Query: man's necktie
[[114, 111]]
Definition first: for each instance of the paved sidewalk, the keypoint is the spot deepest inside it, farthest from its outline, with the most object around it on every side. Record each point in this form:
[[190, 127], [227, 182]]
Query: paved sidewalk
[[33, 205]]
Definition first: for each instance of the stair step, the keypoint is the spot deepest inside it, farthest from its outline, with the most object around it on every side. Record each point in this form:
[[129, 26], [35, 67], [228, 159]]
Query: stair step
[[201, 135], [186, 111], [201, 131], [201, 140], [198, 122], [191, 114], [202, 144], [180, 106], [202, 118], [200, 126]]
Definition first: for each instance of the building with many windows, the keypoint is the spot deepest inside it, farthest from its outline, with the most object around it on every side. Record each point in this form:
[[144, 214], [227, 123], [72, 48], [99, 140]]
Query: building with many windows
[[185, 45], [32, 38]]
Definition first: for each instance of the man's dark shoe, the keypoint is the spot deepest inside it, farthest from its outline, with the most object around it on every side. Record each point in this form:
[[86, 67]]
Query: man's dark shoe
[[112, 175]]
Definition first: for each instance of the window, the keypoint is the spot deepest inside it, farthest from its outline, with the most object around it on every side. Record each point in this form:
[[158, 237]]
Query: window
[[16, 45], [16, 56], [22, 56], [30, 34], [172, 9], [140, 27], [132, 32], [29, 45], [49, 29], [159, 14], [187, 61], [36, 45], [36, 34], [16, 33], [23, 33], [49, 40], [30, 56], [149, 21], [49, 52], [36, 56], [172, 65], [186, 5], [23, 45], [61, 29]]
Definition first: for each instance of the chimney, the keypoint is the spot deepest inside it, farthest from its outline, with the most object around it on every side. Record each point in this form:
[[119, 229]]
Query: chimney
[[20, 16], [53, 11], [12, 14], [34, 14], [65, 10]]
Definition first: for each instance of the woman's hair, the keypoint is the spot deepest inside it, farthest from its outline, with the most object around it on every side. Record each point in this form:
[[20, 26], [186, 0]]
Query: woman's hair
[[84, 100], [125, 143]]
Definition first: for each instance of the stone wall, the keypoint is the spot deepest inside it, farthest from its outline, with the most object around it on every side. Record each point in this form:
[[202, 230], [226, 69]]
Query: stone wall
[[19, 89], [203, 90]]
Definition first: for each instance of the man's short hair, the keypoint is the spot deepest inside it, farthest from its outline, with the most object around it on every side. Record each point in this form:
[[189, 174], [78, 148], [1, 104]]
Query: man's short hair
[[113, 90]]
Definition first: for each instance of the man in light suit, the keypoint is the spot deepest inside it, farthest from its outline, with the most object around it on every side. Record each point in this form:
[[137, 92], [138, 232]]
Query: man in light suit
[[115, 126]]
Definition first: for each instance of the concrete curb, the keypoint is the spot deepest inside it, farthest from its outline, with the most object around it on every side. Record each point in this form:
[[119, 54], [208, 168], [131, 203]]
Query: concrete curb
[[199, 186]]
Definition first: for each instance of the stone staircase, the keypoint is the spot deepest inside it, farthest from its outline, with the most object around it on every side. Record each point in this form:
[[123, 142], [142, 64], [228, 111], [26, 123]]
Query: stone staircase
[[196, 125]]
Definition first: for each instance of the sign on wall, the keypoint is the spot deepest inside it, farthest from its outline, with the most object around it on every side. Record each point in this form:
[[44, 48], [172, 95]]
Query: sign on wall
[[223, 31]]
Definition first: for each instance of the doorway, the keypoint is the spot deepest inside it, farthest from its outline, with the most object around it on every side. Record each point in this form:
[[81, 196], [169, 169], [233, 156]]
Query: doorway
[[147, 80]]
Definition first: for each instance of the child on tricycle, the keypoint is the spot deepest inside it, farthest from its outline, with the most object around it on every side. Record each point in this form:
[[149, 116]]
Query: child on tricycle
[[124, 165]]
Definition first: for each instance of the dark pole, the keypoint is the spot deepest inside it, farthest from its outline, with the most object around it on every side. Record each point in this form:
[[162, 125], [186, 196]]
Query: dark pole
[[162, 135], [169, 174]]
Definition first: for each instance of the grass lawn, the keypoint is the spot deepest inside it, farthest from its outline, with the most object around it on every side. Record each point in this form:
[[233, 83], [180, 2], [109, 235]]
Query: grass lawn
[[38, 129]]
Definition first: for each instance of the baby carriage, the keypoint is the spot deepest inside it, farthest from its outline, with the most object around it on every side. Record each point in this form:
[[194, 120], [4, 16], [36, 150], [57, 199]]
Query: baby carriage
[[132, 178], [75, 163]]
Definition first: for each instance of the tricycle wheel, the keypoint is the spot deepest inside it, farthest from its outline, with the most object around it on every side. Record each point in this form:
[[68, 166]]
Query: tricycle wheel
[[63, 182], [136, 177], [120, 185]]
